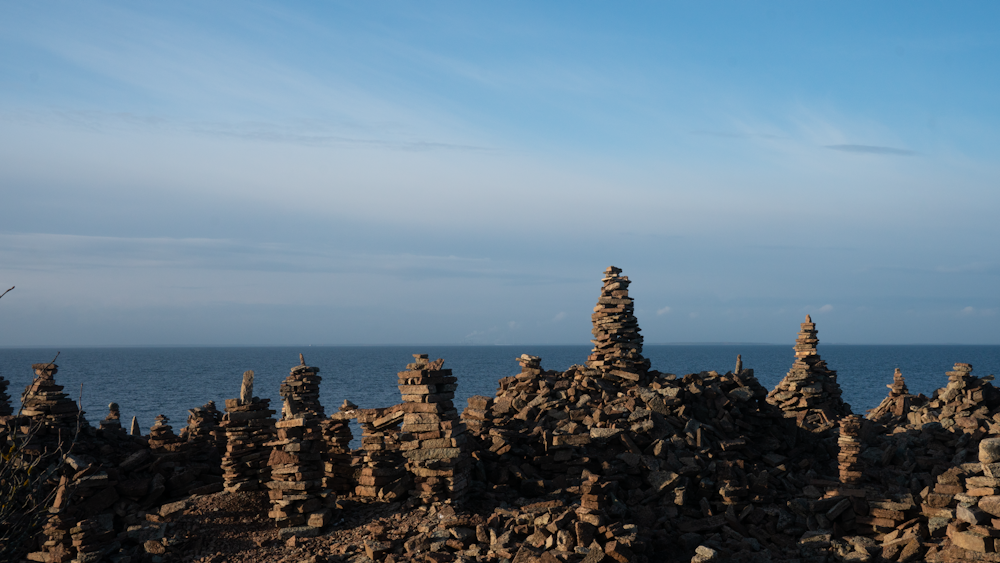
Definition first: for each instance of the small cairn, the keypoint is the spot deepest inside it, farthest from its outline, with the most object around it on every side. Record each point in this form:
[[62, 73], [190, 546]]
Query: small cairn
[[201, 424], [617, 343], [248, 426], [383, 474], [300, 389], [338, 476], [113, 422], [809, 393], [435, 444], [478, 416], [5, 408], [849, 443], [594, 500], [295, 463], [162, 439], [896, 406], [44, 401]]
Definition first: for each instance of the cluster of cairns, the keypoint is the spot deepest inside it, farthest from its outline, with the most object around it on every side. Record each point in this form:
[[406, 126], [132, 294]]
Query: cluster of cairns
[[607, 461]]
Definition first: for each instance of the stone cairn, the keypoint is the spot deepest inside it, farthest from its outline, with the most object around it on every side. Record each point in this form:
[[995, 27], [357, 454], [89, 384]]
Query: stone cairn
[[383, 474], [435, 444], [338, 476], [162, 439], [113, 422], [248, 426], [201, 424], [5, 408], [897, 405], [849, 442], [595, 499], [617, 342], [478, 416], [296, 460], [809, 393], [45, 403]]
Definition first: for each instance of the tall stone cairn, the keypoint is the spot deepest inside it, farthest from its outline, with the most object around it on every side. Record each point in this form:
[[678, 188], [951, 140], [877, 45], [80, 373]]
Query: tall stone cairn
[[248, 426], [849, 456], [617, 343], [300, 389], [434, 440], [338, 475], [44, 402], [383, 473], [5, 408], [296, 467], [809, 393]]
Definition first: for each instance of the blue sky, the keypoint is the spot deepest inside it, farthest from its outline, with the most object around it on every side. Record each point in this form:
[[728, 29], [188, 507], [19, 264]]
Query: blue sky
[[376, 173]]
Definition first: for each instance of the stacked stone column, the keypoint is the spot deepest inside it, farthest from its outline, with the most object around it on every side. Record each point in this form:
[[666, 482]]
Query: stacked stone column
[[162, 439], [849, 456], [809, 393], [338, 475], [435, 444], [594, 500], [617, 343], [113, 422], [478, 416], [383, 466], [57, 416], [300, 390], [296, 475], [248, 426]]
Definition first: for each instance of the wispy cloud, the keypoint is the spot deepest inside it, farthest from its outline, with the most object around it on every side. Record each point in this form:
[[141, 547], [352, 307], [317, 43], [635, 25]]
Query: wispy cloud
[[559, 316], [826, 308], [663, 311], [871, 149]]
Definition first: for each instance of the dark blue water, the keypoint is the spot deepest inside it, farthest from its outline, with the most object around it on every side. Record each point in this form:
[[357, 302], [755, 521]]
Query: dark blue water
[[146, 382]]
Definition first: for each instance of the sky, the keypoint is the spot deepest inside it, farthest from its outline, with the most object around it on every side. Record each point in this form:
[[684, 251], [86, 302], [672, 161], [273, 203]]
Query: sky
[[326, 173]]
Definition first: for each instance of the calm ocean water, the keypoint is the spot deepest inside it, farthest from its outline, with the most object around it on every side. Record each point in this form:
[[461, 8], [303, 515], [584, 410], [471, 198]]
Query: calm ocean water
[[146, 382]]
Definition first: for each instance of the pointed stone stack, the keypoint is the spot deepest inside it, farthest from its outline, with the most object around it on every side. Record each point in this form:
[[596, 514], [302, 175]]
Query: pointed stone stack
[[162, 439], [113, 422], [301, 389], [849, 456], [382, 473], [897, 405], [338, 476], [809, 393], [296, 468], [45, 402], [248, 426], [617, 343], [5, 408], [435, 443]]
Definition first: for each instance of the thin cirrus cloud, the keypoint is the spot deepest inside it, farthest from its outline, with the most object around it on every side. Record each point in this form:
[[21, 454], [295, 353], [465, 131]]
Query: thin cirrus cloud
[[871, 149]]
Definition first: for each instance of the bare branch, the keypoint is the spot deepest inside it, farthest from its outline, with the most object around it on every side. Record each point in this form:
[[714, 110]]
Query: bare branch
[[6, 292]]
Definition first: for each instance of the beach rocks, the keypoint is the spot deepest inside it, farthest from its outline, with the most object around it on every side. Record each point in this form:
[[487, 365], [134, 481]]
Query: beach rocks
[[435, 444], [810, 393], [617, 343], [338, 475]]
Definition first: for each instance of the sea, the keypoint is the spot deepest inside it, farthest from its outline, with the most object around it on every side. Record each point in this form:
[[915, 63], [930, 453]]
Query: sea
[[146, 382]]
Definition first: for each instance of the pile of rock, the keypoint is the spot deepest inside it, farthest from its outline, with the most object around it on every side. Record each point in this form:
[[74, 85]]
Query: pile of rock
[[848, 458], [478, 416], [383, 473], [248, 426], [300, 390], [434, 440], [810, 393], [202, 424], [45, 402], [617, 343], [113, 422], [338, 476], [967, 403], [162, 439], [896, 407], [296, 470], [5, 408]]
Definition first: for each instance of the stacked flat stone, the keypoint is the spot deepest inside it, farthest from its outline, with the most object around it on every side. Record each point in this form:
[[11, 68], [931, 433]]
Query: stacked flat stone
[[849, 456], [338, 475], [5, 408], [248, 426], [435, 442], [113, 422], [300, 389], [202, 423], [296, 470], [617, 343], [91, 538], [897, 405], [162, 439], [45, 402], [594, 500], [383, 471], [809, 393], [478, 416]]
